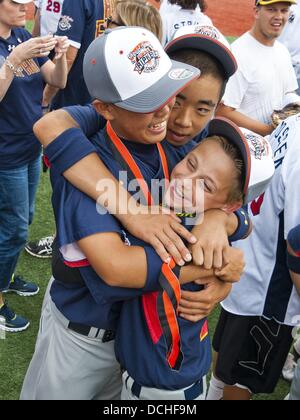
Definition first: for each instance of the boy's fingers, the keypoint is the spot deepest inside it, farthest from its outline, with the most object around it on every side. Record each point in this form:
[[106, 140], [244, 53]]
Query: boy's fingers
[[194, 318], [184, 233], [160, 249], [198, 256], [177, 241], [226, 255], [218, 258], [171, 248], [208, 258], [197, 311], [222, 272]]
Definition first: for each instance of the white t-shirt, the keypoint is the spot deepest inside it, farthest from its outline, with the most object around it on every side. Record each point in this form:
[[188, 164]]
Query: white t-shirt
[[175, 18], [265, 288], [50, 11], [165, 7], [291, 34], [265, 75]]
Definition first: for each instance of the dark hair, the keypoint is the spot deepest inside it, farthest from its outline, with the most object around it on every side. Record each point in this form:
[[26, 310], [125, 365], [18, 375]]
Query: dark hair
[[203, 61], [190, 4]]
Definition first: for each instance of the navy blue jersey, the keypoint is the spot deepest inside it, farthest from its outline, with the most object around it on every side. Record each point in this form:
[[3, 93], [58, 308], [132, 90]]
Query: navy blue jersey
[[20, 108], [94, 303], [141, 349], [90, 122], [201, 136], [80, 21]]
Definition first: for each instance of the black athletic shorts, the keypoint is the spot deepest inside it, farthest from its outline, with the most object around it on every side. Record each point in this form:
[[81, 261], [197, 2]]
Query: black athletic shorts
[[252, 351]]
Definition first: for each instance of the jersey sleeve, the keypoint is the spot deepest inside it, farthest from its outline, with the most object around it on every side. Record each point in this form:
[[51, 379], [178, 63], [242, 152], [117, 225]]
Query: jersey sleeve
[[77, 215], [118, 294], [87, 118], [68, 148], [72, 22]]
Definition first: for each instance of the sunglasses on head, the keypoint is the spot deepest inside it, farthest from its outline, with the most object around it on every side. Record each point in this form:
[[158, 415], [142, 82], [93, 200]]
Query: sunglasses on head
[[109, 21]]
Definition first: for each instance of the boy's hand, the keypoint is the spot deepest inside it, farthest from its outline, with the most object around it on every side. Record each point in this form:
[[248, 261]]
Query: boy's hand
[[211, 249], [163, 232], [234, 269], [195, 306]]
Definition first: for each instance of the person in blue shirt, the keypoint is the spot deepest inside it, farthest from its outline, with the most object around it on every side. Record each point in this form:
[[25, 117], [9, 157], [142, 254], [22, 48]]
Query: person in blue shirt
[[24, 68], [81, 22]]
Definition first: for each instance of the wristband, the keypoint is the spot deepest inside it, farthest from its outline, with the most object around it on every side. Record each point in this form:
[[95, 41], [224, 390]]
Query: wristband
[[243, 226], [294, 239]]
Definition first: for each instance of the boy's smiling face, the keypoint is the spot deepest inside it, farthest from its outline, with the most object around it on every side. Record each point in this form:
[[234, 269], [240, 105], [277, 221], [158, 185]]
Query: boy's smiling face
[[203, 180], [193, 109], [139, 128]]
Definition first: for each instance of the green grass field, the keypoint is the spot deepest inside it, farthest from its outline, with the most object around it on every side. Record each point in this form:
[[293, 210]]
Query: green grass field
[[16, 350]]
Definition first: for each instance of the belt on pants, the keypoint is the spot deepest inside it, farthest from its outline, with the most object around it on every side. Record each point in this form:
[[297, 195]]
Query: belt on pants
[[188, 394], [104, 335], [92, 332]]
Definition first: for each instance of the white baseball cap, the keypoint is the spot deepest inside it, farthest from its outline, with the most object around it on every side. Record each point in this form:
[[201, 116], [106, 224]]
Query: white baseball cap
[[128, 67], [256, 152], [208, 39], [23, 1]]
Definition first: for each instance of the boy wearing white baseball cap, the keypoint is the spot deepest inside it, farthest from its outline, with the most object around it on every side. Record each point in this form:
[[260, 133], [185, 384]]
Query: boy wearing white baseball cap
[[79, 309]]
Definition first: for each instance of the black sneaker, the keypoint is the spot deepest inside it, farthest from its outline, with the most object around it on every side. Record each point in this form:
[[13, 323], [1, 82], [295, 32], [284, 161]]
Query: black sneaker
[[11, 322], [22, 287], [42, 248]]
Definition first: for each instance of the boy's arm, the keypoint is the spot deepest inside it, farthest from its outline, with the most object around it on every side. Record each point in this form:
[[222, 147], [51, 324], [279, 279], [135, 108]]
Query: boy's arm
[[134, 267], [195, 306], [212, 248], [69, 149], [242, 120]]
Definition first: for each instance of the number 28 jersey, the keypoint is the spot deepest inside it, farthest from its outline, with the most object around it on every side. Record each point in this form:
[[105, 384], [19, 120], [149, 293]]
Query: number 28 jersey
[[266, 288], [50, 11]]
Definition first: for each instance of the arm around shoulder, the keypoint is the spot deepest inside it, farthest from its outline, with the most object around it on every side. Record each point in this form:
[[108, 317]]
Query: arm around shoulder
[[52, 125]]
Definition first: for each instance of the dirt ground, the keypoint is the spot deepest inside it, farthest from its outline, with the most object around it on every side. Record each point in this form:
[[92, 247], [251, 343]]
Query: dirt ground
[[232, 17]]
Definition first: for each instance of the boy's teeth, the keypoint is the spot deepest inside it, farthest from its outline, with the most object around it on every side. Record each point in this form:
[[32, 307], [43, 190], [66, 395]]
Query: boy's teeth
[[157, 126]]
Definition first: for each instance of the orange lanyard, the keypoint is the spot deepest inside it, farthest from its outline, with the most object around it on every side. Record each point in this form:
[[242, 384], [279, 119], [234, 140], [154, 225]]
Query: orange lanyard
[[128, 158], [168, 300]]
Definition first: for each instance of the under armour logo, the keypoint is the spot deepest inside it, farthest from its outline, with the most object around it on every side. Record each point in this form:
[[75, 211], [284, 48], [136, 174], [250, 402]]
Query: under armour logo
[[10, 47]]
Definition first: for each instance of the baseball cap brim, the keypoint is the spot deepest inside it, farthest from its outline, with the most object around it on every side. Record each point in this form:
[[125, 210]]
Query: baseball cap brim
[[23, 1], [222, 127], [206, 44], [267, 2], [155, 97], [256, 153]]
